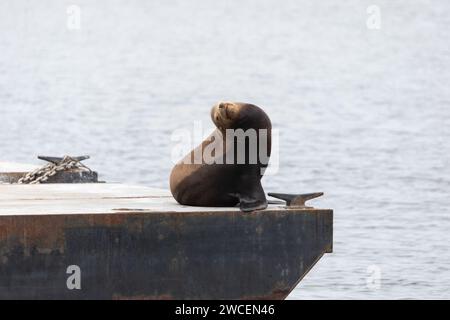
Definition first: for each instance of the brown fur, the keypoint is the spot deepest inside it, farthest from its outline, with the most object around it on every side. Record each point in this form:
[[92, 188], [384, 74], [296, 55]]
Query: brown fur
[[223, 185]]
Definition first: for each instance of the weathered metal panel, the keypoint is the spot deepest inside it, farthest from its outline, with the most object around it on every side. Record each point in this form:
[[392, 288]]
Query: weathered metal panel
[[161, 255], [137, 242], [13, 172], [69, 176]]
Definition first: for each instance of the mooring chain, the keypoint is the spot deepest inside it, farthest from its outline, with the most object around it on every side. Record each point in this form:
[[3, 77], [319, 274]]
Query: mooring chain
[[49, 170]]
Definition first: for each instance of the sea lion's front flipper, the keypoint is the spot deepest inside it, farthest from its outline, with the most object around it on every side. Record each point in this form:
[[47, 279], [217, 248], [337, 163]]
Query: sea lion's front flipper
[[251, 194], [252, 204]]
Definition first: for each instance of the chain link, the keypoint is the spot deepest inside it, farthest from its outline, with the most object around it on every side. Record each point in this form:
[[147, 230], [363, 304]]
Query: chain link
[[49, 170]]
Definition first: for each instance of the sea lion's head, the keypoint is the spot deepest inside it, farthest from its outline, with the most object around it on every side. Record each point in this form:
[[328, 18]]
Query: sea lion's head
[[235, 115]]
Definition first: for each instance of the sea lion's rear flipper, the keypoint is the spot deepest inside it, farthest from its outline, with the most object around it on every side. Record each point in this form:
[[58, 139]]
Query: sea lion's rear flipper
[[251, 194]]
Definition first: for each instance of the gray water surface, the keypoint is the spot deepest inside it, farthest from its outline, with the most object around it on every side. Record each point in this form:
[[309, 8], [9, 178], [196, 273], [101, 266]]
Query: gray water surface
[[363, 114]]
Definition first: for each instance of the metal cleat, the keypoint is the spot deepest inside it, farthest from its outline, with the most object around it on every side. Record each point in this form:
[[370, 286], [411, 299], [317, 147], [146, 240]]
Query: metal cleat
[[296, 201]]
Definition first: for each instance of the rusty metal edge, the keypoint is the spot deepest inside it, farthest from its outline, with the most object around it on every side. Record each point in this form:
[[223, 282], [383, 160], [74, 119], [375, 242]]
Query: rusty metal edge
[[178, 213]]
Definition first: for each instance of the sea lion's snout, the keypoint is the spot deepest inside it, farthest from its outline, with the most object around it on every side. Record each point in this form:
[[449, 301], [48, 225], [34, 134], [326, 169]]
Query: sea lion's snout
[[224, 113]]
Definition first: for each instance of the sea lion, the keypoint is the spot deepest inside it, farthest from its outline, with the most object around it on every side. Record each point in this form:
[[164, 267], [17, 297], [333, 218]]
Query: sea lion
[[226, 169]]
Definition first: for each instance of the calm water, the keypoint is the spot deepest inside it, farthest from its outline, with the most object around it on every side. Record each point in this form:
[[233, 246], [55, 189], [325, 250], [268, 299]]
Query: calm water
[[363, 115]]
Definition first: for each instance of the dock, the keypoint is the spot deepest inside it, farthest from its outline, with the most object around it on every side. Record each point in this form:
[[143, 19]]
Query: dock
[[135, 242]]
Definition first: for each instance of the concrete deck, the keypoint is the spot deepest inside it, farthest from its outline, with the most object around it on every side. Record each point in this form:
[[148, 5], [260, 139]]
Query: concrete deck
[[16, 167], [92, 198]]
